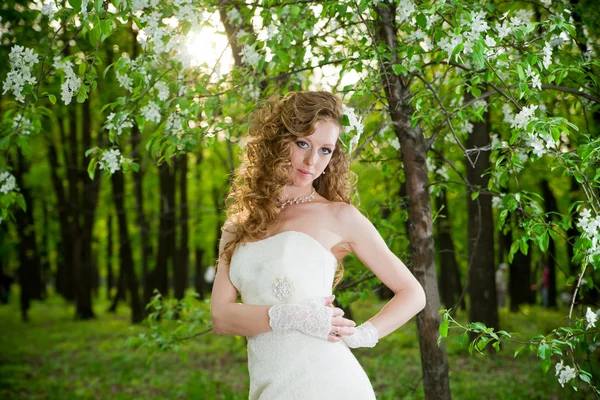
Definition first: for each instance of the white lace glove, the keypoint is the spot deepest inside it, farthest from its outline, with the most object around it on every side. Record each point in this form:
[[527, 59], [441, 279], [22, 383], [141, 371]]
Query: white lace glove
[[366, 336], [311, 317]]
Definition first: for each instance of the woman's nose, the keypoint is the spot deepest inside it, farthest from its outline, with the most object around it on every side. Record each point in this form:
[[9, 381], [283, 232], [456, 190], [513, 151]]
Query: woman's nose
[[309, 159]]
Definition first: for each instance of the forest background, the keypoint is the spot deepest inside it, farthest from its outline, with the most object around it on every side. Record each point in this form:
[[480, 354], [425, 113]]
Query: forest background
[[474, 135]]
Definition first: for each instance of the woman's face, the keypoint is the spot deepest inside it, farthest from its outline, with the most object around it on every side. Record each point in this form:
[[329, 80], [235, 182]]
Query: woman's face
[[311, 154]]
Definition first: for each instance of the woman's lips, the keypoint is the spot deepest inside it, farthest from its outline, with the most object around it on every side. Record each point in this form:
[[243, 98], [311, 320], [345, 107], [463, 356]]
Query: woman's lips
[[302, 173]]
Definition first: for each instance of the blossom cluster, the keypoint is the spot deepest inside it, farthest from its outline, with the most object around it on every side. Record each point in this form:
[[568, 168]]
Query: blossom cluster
[[565, 373], [355, 124], [72, 82], [151, 112], [590, 227], [117, 122], [22, 60], [22, 125], [591, 318], [48, 9], [8, 182], [111, 160]]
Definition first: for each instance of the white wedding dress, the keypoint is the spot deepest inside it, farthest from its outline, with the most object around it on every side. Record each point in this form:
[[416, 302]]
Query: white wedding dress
[[291, 267]]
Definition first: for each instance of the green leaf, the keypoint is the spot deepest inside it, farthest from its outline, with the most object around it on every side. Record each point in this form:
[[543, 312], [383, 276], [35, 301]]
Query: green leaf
[[545, 364], [52, 98], [474, 195], [544, 351], [76, 4], [444, 329], [519, 350], [463, 339], [422, 21], [87, 153], [400, 69], [544, 241], [92, 167], [521, 73]]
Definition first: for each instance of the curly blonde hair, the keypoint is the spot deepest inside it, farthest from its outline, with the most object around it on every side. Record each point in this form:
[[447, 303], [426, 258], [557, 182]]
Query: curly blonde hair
[[266, 167]]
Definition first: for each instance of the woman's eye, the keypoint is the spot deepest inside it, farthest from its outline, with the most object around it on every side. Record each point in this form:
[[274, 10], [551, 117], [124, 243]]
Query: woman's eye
[[327, 151], [301, 144]]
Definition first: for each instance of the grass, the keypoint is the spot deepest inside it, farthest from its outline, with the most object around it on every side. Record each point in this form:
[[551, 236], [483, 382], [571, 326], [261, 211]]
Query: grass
[[55, 357]]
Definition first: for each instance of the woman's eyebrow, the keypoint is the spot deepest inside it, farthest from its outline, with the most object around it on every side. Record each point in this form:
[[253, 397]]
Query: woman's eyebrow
[[326, 144]]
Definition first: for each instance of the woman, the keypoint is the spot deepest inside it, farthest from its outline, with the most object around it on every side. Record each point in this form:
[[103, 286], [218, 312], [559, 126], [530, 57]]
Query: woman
[[290, 223]]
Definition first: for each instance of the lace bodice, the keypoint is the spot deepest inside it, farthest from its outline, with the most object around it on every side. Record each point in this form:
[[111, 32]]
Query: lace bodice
[[288, 267]]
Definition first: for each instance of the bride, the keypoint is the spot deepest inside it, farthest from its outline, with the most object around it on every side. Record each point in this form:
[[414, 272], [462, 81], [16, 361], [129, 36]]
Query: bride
[[290, 223]]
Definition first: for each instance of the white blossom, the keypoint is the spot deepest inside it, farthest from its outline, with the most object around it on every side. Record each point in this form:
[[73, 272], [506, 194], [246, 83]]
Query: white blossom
[[497, 201], [478, 23], [250, 56], [48, 9], [22, 60], [566, 375], [404, 10], [72, 82], [591, 318], [8, 183], [22, 125], [395, 143], [137, 5], [448, 45], [590, 227], [509, 117], [117, 122], [524, 16], [466, 127], [252, 91], [175, 122], [151, 112], [503, 30], [234, 16], [523, 118], [431, 20], [535, 77], [162, 89], [84, 7], [125, 81], [559, 367], [539, 147], [478, 104], [187, 11], [111, 160], [547, 61]]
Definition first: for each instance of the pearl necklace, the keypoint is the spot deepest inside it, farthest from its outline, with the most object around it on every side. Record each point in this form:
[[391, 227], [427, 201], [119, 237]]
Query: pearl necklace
[[297, 200]]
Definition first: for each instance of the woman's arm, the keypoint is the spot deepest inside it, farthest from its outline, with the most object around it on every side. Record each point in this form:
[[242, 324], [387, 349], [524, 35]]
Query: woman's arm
[[368, 245], [231, 318]]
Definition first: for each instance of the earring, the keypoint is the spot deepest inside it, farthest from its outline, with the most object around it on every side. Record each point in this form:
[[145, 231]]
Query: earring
[[323, 173]]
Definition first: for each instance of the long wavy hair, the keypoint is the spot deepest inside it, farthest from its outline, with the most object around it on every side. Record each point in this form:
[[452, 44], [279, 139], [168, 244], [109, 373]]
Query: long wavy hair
[[251, 205]]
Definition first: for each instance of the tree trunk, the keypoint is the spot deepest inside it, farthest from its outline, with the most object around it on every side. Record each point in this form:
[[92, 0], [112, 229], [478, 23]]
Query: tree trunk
[[449, 280], [482, 272], [181, 265], [434, 363], [159, 276], [91, 189], [81, 277], [519, 285], [64, 263], [551, 207], [29, 271], [109, 264], [125, 255]]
